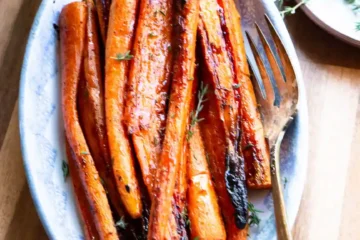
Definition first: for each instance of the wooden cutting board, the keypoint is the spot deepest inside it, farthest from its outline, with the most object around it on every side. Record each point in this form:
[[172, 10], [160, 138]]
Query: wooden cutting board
[[330, 207]]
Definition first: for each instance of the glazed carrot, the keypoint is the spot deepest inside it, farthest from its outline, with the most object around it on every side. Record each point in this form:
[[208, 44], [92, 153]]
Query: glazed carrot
[[73, 32], [220, 76], [149, 78], [86, 216], [203, 208], [103, 10], [91, 108], [257, 158], [178, 115], [121, 30]]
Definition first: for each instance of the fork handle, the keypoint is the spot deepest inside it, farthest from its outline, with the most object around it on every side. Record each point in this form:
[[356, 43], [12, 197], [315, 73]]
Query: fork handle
[[282, 226]]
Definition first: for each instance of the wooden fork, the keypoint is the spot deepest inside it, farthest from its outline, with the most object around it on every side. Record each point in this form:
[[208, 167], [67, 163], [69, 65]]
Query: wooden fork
[[276, 89]]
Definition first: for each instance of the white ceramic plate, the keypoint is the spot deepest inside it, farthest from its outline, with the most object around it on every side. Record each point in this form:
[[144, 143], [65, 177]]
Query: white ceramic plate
[[42, 137], [336, 17]]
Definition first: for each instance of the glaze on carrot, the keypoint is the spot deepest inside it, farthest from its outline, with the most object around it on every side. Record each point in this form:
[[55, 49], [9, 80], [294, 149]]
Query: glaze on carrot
[[256, 153], [148, 86], [118, 46], [91, 108], [73, 20], [178, 115], [228, 162], [103, 11], [203, 209], [86, 216]]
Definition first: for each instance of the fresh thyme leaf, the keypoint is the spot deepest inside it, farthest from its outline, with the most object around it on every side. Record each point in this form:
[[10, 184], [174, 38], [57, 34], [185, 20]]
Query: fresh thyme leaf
[[84, 153], [121, 223], [191, 79], [195, 114], [123, 56], [236, 86], [152, 34], [196, 238], [162, 12], [285, 182], [65, 169], [253, 215], [291, 10], [357, 26]]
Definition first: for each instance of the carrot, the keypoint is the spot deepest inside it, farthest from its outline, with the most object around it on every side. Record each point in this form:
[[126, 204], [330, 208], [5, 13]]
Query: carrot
[[178, 115], [257, 158], [103, 10], [86, 216], [73, 32], [121, 30], [149, 78], [203, 208], [91, 109], [222, 119]]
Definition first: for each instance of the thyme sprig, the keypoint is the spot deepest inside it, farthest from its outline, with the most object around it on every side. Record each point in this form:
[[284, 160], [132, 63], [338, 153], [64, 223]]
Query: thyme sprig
[[288, 10], [194, 116], [253, 215]]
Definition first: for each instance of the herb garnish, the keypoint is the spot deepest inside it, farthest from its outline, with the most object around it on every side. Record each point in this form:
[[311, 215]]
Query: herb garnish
[[152, 34], [195, 114], [123, 56], [253, 215], [196, 238], [121, 223], [65, 169], [357, 26], [84, 153], [291, 10]]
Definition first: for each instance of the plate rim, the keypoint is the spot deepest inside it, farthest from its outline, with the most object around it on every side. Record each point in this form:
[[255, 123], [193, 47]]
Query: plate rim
[[30, 181], [330, 30], [26, 159]]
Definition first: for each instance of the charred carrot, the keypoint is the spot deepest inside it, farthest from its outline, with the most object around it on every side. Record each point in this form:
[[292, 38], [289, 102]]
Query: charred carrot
[[119, 41], [220, 76], [91, 108], [178, 115], [256, 153], [149, 78], [86, 216], [203, 208], [73, 31], [103, 11]]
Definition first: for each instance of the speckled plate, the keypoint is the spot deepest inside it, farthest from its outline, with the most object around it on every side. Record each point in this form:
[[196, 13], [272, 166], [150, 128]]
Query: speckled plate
[[42, 136], [336, 17]]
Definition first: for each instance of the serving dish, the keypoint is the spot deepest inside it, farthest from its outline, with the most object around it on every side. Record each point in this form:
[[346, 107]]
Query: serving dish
[[336, 17], [42, 137]]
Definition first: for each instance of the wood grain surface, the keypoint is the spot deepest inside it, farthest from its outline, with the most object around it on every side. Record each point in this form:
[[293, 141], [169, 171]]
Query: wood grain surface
[[330, 208]]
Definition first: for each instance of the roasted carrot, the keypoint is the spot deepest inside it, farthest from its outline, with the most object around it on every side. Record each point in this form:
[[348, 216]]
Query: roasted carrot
[[256, 153], [86, 216], [119, 41], [149, 78], [103, 10], [203, 208], [220, 76], [91, 108], [178, 115], [73, 20]]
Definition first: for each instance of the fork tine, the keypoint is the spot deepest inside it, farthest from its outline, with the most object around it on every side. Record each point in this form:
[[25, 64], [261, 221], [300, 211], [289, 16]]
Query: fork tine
[[290, 76], [279, 78], [269, 90]]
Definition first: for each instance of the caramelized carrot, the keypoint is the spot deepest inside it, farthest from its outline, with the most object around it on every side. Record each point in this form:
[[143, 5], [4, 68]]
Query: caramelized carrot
[[86, 216], [121, 30], [73, 32], [257, 158], [91, 108], [203, 208], [103, 10], [149, 78], [220, 76], [178, 116]]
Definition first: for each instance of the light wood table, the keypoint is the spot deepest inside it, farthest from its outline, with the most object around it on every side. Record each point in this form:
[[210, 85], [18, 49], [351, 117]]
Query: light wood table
[[330, 208]]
